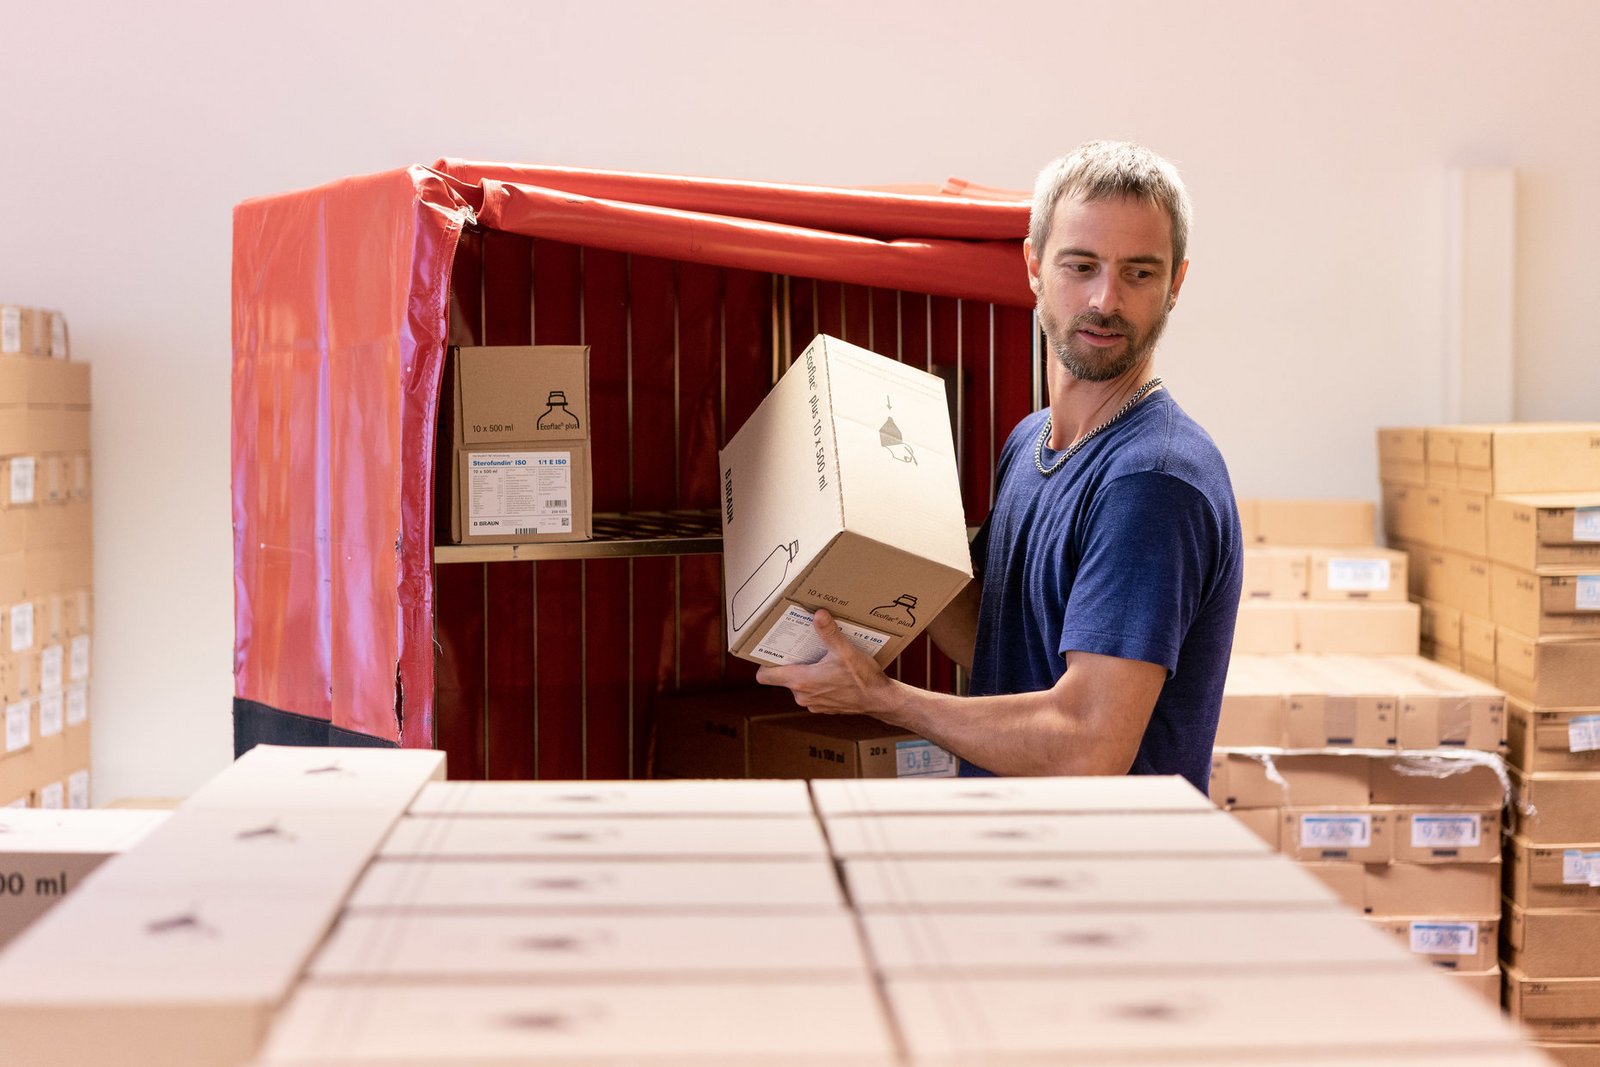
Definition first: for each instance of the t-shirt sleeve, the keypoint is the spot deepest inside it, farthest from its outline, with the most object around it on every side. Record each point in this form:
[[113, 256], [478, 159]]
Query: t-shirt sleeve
[[1146, 555]]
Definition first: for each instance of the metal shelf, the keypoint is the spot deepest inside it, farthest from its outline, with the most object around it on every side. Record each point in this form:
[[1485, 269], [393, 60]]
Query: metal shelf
[[616, 534]]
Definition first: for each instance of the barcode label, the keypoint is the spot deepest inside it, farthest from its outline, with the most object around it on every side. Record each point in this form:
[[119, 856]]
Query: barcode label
[[1444, 939], [1445, 831], [1587, 595], [1586, 524], [1580, 868], [1583, 733], [1358, 575], [1335, 831], [22, 479], [555, 503], [923, 759]]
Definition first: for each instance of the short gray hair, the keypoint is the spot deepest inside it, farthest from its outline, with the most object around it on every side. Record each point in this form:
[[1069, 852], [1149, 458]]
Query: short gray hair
[[1107, 170]]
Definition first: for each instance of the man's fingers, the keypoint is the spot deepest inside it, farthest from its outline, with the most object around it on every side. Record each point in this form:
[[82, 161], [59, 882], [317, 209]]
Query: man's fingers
[[828, 629]]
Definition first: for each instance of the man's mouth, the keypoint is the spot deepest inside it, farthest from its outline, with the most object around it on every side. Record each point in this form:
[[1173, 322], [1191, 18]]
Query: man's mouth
[[1099, 337]]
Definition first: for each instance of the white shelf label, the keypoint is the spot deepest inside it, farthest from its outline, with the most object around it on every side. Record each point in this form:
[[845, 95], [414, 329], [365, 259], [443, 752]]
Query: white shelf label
[[1335, 831], [53, 795], [77, 705], [51, 714], [1445, 831], [10, 330], [1444, 939], [1586, 524], [1580, 868], [78, 789], [1358, 575], [78, 659], [58, 335], [19, 730], [1583, 733], [22, 627], [51, 662], [23, 471], [923, 759], [792, 639], [1587, 593], [519, 493]]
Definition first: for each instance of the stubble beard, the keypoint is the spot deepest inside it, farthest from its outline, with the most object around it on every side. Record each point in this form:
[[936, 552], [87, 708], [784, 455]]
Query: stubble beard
[[1089, 364]]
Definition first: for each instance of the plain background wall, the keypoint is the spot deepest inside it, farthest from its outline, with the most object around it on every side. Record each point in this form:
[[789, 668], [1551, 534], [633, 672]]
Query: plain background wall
[[1318, 141]]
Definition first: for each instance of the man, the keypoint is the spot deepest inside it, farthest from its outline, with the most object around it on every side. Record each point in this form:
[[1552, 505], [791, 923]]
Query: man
[[1109, 569]]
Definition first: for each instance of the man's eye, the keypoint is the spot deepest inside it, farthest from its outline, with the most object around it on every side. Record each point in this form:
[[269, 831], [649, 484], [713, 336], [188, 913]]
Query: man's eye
[[1142, 275], [1080, 268]]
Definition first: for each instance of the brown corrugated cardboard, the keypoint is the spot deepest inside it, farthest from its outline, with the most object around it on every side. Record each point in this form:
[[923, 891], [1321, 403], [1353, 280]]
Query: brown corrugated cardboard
[[1529, 457], [1275, 573], [1146, 794], [1467, 584], [45, 854], [608, 799], [1366, 629], [1313, 522], [1552, 876], [564, 838], [1265, 627], [1552, 740], [44, 382], [521, 453], [1486, 985], [1442, 469], [1551, 601], [1440, 624], [1248, 781], [1208, 834], [1403, 455], [1548, 672], [1466, 522], [1261, 882], [1454, 944], [1254, 704], [1329, 707], [1556, 1008], [1470, 780], [1446, 835], [1434, 584], [1265, 823], [1431, 889], [1531, 531], [1477, 641], [1442, 707], [1552, 943], [1368, 573], [1414, 514], [841, 492], [706, 734], [1567, 1053], [842, 746], [1552, 808], [1248, 521], [1355, 835], [737, 886]]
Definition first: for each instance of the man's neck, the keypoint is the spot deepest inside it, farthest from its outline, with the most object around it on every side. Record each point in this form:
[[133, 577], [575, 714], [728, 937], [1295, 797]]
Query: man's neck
[[1078, 406]]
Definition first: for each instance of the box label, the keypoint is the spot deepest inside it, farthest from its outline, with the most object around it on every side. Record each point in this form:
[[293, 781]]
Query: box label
[[10, 330], [1583, 733], [18, 728], [22, 627], [51, 715], [1586, 597], [78, 789], [1445, 831], [1335, 831], [1580, 868], [77, 705], [1358, 575], [793, 640], [58, 336], [1586, 524], [1444, 939], [519, 493], [78, 660], [53, 795], [923, 759], [23, 469]]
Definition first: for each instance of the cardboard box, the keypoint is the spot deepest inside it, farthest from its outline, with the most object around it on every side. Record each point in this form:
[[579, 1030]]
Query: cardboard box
[[1275, 573], [521, 452], [1442, 469], [1552, 601], [1248, 781], [1357, 574], [733, 886], [1414, 514], [1433, 566], [1486, 985], [610, 799], [1266, 627], [1429, 890], [1477, 642], [1555, 807], [1469, 944], [1356, 835], [1539, 739], [1560, 1050], [1313, 522], [1263, 882], [1121, 835], [34, 382], [1388, 628], [841, 492], [593, 838], [1551, 943], [1130, 794], [1548, 672], [843, 746], [1440, 624], [1467, 584], [45, 854], [1532, 457], [1254, 706], [1403, 455], [1331, 708], [1466, 522], [1549, 530], [1444, 708], [1465, 780], [1446, 835], [1562, 1009], [1265, 823], [706, 734], [1563, 876]]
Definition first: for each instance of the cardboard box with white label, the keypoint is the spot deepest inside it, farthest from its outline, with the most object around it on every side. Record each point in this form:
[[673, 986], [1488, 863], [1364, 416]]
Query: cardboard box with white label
[[841, 492], [521, 469]]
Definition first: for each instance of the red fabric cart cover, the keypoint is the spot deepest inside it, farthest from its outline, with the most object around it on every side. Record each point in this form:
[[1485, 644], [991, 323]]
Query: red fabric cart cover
[[339, 323]]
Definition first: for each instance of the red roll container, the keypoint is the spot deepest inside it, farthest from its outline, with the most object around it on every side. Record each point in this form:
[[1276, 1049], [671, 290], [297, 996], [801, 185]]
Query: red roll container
[[692, 295]]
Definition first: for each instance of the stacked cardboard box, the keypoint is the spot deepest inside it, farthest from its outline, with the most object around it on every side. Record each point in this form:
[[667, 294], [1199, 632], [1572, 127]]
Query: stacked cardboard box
[[46, 604], [1502, 527]]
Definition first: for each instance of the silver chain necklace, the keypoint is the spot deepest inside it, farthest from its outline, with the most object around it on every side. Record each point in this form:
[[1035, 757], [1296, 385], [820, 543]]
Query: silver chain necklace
[[1072, 449]]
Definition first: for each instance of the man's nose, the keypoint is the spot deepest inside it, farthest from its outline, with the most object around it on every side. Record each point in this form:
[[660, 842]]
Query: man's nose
[[1105, 294]]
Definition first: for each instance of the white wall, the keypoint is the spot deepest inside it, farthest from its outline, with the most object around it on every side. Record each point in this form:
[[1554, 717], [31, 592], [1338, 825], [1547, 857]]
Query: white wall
[[1317, 141]]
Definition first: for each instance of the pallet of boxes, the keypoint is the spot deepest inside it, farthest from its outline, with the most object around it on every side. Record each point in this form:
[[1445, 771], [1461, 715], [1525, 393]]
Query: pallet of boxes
[[1375, 768], [45, 563], [1504, 522]]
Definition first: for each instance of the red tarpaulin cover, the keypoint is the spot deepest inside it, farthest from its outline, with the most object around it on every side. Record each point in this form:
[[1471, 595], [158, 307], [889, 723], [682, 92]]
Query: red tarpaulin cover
[[340, 301]]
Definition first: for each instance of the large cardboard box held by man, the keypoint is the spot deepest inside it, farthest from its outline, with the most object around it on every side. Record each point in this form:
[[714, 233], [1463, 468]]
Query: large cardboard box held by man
[[520, 431], [841, 492]]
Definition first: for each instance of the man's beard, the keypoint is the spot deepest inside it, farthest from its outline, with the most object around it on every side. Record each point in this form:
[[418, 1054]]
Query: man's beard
[[1088, 364]]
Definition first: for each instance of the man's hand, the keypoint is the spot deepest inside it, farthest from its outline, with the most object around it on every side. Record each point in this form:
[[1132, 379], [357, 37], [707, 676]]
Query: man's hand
[[843, 682]]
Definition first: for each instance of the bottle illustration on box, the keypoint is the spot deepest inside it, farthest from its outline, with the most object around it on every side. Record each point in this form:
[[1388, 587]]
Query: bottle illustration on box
[[557, 416], [767, 579], [902, 612], [890, 438]]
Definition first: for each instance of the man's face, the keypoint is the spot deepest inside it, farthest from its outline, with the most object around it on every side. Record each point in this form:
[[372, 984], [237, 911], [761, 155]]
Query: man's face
[[1105, 282]]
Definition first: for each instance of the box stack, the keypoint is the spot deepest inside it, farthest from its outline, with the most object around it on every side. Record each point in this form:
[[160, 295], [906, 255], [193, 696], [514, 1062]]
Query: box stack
[[1344, 749], [46, 605]]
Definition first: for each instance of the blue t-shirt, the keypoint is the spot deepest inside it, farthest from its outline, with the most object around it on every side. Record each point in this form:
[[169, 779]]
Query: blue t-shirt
[[1131, 549]]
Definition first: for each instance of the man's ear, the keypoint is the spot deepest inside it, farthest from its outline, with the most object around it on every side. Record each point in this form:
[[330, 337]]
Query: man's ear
[[1033, 264], [1177, 283]]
